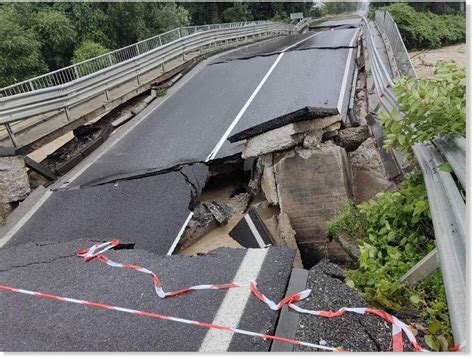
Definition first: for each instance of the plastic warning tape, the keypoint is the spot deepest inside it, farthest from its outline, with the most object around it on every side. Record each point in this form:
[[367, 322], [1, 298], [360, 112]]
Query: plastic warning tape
[[168, 318], [398, 327]]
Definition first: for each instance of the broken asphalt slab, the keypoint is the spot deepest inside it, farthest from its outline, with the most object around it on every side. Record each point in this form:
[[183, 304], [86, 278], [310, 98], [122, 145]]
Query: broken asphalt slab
[[38, 324], [148, 211], [303, 114], [351, 331]]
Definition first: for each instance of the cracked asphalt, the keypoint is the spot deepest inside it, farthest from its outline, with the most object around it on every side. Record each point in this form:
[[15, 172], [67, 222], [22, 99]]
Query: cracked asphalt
[[133, 192], [37, 324]]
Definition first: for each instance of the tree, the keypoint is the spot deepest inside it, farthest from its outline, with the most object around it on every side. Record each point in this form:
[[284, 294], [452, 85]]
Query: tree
[[236, 13], [20, 55], [87, 50], [57, 35]]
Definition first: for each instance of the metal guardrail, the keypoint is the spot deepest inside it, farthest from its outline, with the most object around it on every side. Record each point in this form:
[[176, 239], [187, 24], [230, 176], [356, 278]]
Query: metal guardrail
[[447, 206], [386, 24], [90, 66], [103, 73], [303, 23]]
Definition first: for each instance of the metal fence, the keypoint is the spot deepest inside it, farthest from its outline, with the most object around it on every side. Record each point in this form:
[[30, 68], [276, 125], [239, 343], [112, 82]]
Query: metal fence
[[446, 203], [84, 68], [386, 25]]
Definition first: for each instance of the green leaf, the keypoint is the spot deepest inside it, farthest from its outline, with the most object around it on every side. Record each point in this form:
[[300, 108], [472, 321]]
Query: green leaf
[[435, 327], [432, 342], [415, 299]]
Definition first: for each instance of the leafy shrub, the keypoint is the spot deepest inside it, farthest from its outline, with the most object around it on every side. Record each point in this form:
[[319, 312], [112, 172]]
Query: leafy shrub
[[424, 29], [87, 50], [394, 231], [431, 107]]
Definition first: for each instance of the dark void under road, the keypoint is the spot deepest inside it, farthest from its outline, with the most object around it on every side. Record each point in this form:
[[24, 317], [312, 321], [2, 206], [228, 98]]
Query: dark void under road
[[241, 89]]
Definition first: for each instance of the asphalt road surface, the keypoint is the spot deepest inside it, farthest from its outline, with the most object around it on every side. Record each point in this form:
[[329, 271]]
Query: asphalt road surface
[[37, 324], [109, 197], [238, 90]]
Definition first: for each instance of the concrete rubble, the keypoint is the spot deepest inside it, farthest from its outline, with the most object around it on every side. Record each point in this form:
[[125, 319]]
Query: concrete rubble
[[307, 168], [14, 183]]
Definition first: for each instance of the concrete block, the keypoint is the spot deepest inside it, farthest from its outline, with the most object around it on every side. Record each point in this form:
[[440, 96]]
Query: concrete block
[[268, 182], [312, 185], [351, 138], [368, 173], [122, 119], [14, 183], [285, 137]]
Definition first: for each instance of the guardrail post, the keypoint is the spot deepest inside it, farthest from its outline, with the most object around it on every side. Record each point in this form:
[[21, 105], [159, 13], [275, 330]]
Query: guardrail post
[[138, 49], [11, 135], [31, 86], [68, 115], [422, 269], [110, 60]]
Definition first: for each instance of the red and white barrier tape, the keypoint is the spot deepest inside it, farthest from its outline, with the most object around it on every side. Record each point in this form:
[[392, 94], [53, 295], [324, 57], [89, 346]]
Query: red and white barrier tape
[[398, 327], [167, 317]]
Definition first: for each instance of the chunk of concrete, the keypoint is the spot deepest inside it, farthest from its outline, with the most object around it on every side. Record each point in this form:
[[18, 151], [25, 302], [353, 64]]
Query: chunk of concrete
[[206, 217], [284, 235], [368, 173], [351, 331], [268, 182], [351, 138], [14, 183], [285, 137], [312, 185]]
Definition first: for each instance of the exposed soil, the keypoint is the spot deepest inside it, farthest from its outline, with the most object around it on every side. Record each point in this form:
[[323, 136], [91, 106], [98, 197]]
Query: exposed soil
[[424, 61]]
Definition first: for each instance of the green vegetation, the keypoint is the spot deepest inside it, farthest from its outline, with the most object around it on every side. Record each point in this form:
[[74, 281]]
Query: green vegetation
[[394, 231], [44, 36], [88, 49], [431, 108], [161, 91], [425, 29]]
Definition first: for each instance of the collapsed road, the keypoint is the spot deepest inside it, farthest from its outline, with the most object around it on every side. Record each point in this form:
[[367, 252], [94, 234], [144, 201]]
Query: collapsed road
[[233, 92], [140, 187]]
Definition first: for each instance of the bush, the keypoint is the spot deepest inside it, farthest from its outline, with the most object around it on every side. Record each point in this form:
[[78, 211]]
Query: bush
[[394, 231], [431, 108], [424, 29], [87, 50]]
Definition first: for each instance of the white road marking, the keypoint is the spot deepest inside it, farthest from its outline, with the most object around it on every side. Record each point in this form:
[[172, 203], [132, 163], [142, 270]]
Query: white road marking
[[9, 235], [346, 74], [234, 302], [254, 231], [180, 233], [237, 118]]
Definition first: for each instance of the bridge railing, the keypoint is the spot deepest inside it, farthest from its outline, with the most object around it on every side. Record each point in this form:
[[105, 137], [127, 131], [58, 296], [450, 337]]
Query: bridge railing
[[72, 89], [446, 203], [90, 66]]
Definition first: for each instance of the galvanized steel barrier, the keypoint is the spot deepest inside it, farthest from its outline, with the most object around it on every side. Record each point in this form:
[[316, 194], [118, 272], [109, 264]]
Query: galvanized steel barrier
[[65, 88], [386, 24], [446, 203]]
